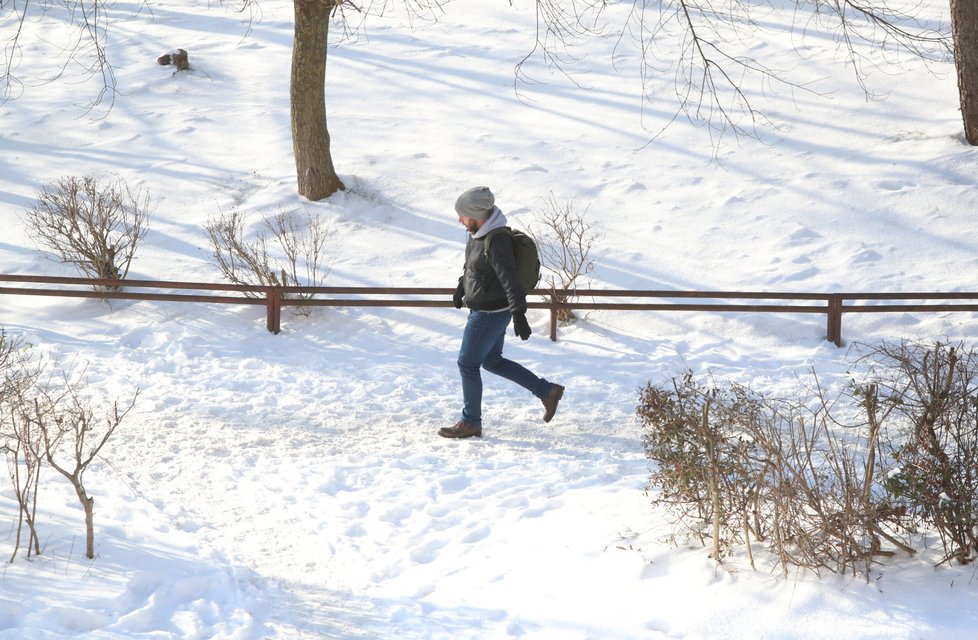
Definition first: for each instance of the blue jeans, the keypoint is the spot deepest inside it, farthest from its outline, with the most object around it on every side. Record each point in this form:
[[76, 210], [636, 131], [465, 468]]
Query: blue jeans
[[482, 347]]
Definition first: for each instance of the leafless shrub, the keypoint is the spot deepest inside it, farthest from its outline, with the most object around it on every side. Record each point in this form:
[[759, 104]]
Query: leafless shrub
[[566, 241], [49, 423], [94, 225], [72, 436], [737, 467], [932, 392], [302, 245], [23, 448], [17, 368], [241, 262], [819, 506], [20, 440]]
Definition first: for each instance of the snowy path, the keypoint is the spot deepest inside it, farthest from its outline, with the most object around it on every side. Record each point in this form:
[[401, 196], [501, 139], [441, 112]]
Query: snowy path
[[321, 472]]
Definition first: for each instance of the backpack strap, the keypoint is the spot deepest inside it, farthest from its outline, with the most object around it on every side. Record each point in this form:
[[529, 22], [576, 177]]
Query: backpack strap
[[489, 236]]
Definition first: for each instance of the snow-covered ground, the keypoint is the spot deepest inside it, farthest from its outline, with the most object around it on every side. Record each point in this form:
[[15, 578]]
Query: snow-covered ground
[[293, 485]]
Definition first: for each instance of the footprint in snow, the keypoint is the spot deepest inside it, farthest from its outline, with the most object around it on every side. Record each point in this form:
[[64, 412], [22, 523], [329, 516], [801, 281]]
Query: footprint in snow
[[455, 484], [539, 511], [477, 535], [867, 255], [427, 551], [892, 185]]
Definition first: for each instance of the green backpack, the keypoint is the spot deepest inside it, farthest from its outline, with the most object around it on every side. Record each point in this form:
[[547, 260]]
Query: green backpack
[[526, 254]]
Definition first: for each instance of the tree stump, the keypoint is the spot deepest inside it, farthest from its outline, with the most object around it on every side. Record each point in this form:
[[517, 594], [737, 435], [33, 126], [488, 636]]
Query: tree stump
[[177, 58]]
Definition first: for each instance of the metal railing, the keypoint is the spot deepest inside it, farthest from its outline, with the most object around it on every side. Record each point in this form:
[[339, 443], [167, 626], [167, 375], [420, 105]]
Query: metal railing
[[832, 305]]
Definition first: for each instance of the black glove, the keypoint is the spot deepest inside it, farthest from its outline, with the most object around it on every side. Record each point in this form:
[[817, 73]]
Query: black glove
[[459, 295], [521, 326]]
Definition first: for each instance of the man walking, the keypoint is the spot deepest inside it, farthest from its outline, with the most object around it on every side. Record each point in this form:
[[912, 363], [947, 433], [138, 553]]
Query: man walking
[[490, 287]]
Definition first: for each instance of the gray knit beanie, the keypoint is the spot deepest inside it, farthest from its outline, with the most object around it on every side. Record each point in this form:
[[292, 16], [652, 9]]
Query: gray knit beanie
[[476, 203]]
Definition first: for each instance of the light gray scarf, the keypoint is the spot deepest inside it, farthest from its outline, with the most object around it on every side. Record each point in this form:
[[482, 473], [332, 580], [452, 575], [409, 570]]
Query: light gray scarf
[[495, 220]]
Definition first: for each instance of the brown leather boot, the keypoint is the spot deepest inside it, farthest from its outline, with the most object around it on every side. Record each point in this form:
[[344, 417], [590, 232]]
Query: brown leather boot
[[461, 430], [551, 401]]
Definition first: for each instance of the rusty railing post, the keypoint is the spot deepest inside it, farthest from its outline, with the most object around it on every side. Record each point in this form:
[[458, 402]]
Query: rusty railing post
[[553, 317], [833, 330], [273, 309]]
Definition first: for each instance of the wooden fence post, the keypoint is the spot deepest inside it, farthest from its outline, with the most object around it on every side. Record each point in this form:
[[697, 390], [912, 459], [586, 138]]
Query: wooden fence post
[[553, 318], [273, 309], [833, 331]]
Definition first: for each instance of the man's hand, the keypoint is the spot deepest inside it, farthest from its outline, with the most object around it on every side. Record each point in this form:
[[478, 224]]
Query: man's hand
[[458, 298], [521, 326]]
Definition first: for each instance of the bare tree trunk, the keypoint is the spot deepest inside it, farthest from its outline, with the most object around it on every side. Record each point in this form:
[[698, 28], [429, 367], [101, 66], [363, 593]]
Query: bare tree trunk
[[964, 26], [88, 503], [310, 138]]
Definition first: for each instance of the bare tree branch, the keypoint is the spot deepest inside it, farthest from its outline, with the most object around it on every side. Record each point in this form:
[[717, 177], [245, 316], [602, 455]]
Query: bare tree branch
[[712, 74], [84, 51]]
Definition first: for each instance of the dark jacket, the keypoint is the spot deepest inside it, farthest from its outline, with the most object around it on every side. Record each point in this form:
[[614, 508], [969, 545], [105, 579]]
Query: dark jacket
[[491, 281]]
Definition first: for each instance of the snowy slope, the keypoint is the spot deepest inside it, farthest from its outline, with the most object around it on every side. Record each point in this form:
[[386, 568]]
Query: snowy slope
[[292, 486]]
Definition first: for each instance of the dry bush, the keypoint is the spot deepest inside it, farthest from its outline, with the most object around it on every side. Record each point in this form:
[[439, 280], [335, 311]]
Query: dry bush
[[19, 439], [53, 424], [301, 243], [703, 470], [73, 433], [566, 241], [23, 447], [737, 468], [820, 509], [18, 369], [92, 224], [932, 393], [827, 483]]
